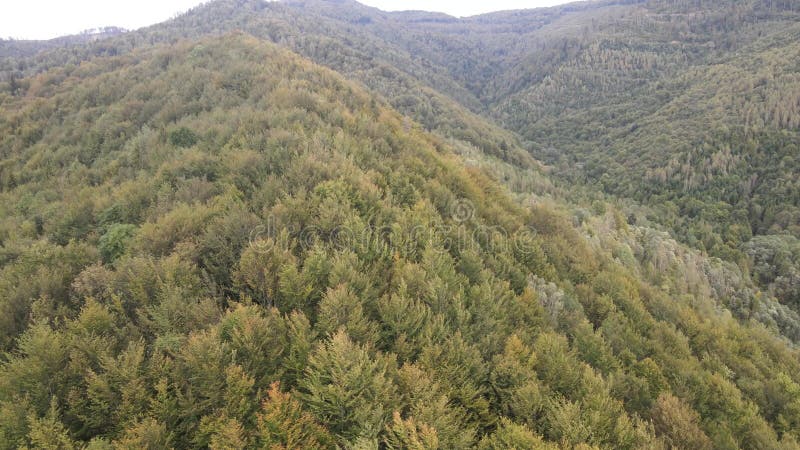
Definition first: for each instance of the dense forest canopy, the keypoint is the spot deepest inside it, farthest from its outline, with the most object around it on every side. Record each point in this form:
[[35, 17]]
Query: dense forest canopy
[[314, 224]]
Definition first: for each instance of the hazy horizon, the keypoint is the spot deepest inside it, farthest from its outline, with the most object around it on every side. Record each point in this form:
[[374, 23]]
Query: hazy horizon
[[48, 19]]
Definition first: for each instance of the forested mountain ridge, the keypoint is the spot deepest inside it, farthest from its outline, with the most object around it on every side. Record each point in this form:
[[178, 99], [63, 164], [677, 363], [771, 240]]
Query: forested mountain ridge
[[208, 241], [152, 315], [701, 127], [689, 108], [421, 92], [14, 48]]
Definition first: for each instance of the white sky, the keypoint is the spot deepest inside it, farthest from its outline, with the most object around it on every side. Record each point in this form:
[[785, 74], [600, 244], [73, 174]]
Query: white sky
[[460, 8], [45, 19]]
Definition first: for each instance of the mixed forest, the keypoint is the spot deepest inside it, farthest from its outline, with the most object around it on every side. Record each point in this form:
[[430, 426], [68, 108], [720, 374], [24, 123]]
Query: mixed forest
[[312, 224]]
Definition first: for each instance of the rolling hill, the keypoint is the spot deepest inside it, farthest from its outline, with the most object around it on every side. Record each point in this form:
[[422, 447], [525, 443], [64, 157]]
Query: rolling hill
[[314, 224], [689, 110]]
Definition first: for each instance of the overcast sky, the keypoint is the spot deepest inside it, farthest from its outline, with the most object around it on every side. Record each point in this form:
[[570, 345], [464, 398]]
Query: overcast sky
[[45, 19]]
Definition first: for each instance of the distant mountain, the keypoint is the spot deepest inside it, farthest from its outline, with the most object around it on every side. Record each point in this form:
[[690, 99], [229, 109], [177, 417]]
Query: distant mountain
[[22, 48]]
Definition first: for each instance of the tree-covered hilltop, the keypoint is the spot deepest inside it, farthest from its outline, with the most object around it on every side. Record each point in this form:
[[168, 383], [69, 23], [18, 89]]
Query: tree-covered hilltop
[[217, 243], [687, 109], [419, 90]]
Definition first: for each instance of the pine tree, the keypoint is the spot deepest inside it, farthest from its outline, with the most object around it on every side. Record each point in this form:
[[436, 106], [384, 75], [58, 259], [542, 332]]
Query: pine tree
[[48, 433], [283, 424], [348, 390], [510, 435], [406, 434], [339, 309]]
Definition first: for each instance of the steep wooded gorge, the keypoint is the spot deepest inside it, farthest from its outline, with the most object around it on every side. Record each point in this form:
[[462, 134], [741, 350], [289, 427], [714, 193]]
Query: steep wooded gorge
[[315, 224]]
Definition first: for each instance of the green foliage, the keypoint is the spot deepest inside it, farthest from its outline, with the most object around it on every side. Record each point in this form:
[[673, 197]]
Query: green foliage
[[678, 424], [512, 436], [405, 434], [347, 389], [340, 309], [48, 433], [775, 263], [283, 424], [147, 434], [182, 137], [114, 242]]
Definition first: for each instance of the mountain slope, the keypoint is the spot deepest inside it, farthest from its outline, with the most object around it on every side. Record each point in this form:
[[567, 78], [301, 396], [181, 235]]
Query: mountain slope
[[689, 109], [218, 243], [698, 121], [418, 89]]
